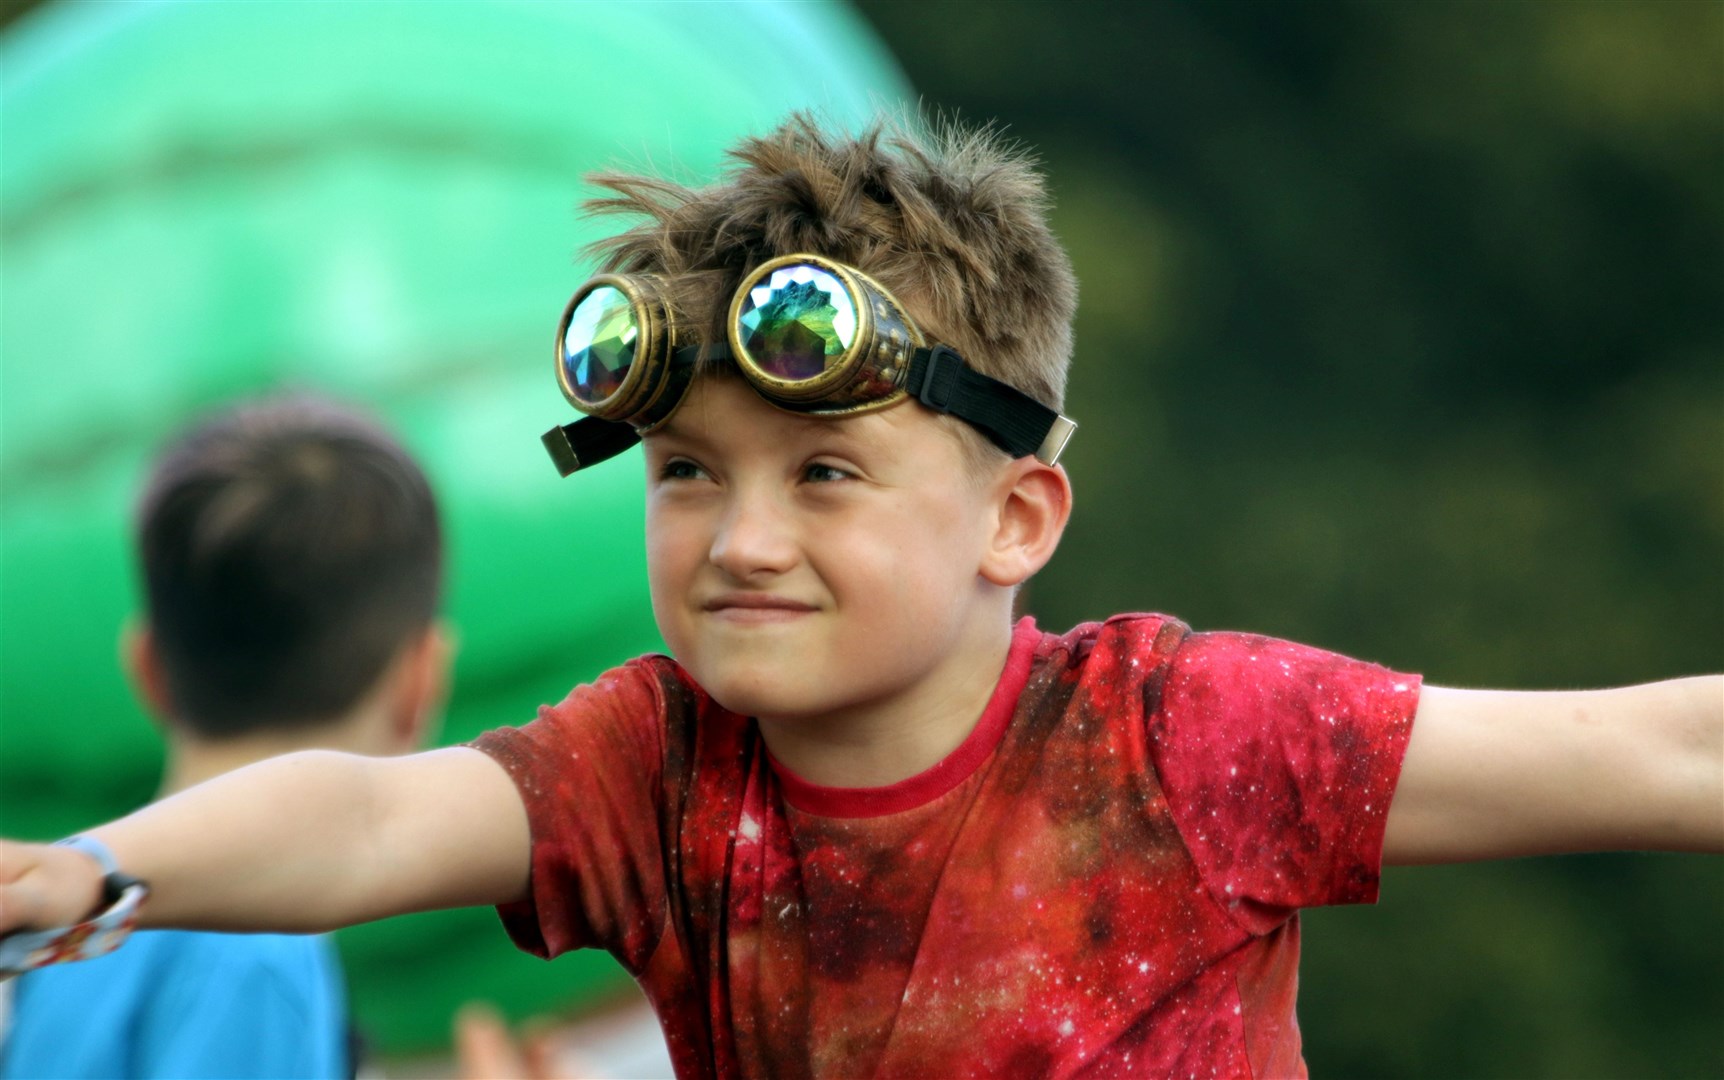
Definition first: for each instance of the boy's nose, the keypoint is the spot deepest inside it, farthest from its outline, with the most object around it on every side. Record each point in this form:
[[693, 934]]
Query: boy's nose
[[754, 538]]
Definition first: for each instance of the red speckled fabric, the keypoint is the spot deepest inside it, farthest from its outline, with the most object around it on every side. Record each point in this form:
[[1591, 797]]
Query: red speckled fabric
[[1100, 882]]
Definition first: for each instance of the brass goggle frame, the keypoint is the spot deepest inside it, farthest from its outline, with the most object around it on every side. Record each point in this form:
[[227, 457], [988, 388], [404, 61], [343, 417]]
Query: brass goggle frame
[[885, 361], [654, 384], [872, 370]]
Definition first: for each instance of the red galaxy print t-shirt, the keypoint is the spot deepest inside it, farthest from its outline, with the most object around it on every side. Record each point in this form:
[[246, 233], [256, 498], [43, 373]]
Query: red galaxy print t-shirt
[[1101, 881]]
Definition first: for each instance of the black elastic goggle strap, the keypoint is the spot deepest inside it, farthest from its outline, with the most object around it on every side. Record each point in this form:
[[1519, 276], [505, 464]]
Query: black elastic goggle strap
[[1015, 422], [587, 441], [692, 355]]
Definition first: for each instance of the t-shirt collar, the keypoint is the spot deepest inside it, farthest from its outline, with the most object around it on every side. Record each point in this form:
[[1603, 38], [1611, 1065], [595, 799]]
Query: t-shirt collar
[[942, 776]]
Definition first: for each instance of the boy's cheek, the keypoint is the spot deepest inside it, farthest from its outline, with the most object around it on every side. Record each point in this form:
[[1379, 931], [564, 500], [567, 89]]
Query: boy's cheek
[[665, 612], [667, 627], [664, 580]]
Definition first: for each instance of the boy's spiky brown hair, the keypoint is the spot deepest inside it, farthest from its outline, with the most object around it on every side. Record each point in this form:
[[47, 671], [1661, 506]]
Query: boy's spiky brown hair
[[951, 221]]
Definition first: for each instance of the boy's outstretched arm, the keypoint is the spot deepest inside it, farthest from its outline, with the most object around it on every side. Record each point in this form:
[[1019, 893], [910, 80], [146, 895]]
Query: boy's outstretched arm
[[304, 842], [1496, 774]]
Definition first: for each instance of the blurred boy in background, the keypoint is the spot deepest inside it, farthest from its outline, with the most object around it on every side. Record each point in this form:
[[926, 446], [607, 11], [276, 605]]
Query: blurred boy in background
[[291, 563]]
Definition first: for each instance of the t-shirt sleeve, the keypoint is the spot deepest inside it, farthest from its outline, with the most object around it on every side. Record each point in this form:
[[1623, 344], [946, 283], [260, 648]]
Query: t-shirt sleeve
[[1278, 762], [589, 772]]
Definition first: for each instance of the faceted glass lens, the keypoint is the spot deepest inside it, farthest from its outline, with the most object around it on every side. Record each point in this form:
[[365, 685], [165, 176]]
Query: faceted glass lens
[[797, 323], [599, 345]]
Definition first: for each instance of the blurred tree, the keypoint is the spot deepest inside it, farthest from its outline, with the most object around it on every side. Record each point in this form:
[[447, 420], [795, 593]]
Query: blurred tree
[[1400, 334]]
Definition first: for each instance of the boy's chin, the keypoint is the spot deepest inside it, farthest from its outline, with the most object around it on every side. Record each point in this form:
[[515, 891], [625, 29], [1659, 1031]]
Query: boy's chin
[[758, 694], [762, 705]]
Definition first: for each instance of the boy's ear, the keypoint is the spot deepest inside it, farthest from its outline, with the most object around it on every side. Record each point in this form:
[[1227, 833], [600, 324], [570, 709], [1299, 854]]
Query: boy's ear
[[416, 710], [143, 668], [1033, 503]]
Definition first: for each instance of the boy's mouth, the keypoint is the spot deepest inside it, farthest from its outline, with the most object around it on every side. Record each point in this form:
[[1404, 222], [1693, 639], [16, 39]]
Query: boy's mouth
[[755, 607]]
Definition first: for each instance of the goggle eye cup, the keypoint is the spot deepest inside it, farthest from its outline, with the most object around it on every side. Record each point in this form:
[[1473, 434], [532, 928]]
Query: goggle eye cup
[[797, 323], [598, 340]]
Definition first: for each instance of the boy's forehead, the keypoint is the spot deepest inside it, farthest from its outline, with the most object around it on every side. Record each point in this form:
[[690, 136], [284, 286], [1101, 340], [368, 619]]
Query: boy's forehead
[[721, 406]]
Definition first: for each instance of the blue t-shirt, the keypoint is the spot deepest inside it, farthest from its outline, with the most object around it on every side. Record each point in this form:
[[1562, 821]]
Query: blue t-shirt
[[176, 1003]]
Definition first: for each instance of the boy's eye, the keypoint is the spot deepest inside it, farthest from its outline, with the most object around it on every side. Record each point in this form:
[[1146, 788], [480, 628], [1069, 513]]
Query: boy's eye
[[819, 472], [680, 469]]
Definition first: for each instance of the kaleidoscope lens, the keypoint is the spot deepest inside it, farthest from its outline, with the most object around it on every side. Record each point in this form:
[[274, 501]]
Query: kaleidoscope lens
[[615, 351], [598, 345], [797, 323]]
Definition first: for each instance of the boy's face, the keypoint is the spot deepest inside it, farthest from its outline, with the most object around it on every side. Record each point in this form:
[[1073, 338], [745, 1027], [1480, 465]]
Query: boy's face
[[803, 567]]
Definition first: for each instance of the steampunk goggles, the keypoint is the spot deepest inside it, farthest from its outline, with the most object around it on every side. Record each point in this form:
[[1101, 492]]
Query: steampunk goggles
[[810, 335]]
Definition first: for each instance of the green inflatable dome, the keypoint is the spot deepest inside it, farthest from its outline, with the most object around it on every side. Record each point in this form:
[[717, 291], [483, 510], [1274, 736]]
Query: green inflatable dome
[[376, 200]]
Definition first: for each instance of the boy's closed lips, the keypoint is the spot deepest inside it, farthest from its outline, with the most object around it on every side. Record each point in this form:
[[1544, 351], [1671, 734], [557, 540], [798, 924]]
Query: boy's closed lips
[[755, 608]]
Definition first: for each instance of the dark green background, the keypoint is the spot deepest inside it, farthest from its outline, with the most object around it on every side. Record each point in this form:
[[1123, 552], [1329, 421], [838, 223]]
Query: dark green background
[[1400, 334]]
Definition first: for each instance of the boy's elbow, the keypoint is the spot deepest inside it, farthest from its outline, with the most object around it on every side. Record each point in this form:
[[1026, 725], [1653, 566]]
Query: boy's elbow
[[1664, 772], [1687, 768]]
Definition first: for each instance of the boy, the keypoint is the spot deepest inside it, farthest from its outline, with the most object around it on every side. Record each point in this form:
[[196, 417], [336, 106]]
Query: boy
[[863, 823], [290, 556]]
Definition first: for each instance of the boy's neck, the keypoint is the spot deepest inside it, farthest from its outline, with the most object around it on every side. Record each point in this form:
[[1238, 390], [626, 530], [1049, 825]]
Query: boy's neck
[[877, 744], [193, 759]]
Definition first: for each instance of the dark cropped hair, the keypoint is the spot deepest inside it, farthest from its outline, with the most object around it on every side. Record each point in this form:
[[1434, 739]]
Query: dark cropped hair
[[289, 548]]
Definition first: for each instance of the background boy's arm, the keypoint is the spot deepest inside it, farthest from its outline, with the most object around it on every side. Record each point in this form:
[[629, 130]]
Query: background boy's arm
[[1496, 774], [304, 842]]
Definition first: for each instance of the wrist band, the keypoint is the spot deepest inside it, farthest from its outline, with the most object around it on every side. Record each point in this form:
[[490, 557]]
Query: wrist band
[[114, 882], [100, 934], [95, 849]]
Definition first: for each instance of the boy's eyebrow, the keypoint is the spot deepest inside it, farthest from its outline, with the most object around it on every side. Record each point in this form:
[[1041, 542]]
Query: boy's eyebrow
[[829, 427]]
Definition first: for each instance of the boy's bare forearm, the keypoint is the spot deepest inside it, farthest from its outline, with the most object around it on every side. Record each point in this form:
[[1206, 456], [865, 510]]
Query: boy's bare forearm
[[317, 840], [280, 845], [1494, 774]]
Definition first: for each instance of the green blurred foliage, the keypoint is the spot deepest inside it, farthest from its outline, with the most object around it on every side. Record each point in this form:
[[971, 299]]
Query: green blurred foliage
[[1400, 334]]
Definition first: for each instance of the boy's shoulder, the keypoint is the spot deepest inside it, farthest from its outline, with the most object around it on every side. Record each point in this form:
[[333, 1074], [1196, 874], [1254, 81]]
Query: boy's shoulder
[[1221, 659], [1145, 641]]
